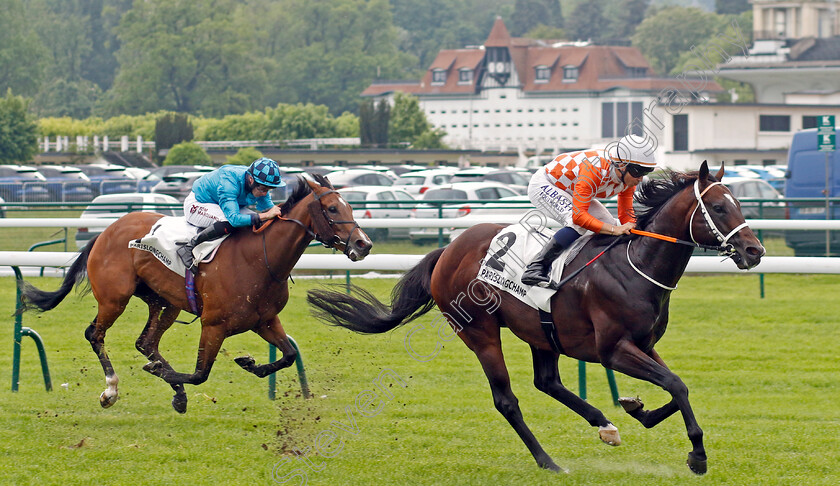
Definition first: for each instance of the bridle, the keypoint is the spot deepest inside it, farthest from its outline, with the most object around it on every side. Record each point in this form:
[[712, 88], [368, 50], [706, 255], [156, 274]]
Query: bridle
[[325, 233], [725, 247]]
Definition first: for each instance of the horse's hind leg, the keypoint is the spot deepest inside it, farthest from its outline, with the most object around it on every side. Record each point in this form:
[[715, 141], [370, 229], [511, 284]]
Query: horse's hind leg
[[95, 334], [161, 316], [273, 332], [547, 380], [486, 344]]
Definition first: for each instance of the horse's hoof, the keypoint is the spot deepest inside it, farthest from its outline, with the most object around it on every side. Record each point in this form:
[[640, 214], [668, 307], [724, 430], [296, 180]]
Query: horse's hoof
[[631, 404], [107, 400], [697, 466], [179, 402], [609, 434], [245, 362], [551, 466]]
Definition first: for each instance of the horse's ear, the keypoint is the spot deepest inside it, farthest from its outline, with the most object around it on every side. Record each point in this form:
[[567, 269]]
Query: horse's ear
[[721, 172], [704, 171]]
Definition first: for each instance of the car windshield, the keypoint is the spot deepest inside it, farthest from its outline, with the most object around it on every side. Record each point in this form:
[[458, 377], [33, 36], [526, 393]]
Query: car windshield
[[410, 181], [445, 194], [353, 195], [59, 174], [120, 207]]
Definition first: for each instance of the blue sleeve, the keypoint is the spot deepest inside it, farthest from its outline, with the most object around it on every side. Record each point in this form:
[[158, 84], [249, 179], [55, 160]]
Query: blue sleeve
[[228, 192], [264, 203]]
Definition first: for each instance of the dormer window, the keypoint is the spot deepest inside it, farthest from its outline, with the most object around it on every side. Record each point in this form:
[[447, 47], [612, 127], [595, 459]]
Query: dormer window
[[570, 74], [637, 72], [465, 76], [542, 74], [438, 76]]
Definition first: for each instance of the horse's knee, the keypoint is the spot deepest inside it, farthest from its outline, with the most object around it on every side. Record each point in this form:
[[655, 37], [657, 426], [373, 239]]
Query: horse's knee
[[675, 386], [507, 406]]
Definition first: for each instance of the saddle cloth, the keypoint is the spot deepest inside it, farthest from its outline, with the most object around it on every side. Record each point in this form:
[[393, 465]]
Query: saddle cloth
[[162, 242], [511, 251]]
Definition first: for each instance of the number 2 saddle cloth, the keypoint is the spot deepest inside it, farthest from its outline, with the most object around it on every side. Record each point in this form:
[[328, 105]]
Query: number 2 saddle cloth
[[511, 251]]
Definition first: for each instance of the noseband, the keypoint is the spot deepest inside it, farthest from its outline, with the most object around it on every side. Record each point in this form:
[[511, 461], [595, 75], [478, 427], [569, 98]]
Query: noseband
[[726, 248], [324, 226]]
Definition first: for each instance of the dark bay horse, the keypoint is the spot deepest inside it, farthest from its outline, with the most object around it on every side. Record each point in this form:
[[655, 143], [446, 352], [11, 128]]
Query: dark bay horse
[[613, 313], [242, 289]]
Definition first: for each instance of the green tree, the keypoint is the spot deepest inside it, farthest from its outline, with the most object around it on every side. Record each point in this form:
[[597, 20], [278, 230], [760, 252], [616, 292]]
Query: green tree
[[22, 56], [528, 14], [732, 6], [407, 121], [656, 36], [625, 16], [187, 153], [244, 156], [430, 139], [172, 129], [189, 56], [18, 130], [545, 32], [587, 22], [247, 126], [326, 53]]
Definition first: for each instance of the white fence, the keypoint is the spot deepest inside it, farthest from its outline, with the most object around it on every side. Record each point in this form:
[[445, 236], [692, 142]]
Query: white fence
[[385, 262]]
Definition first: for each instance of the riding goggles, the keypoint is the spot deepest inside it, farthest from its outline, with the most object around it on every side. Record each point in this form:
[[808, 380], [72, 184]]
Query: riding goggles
[[638, 170]]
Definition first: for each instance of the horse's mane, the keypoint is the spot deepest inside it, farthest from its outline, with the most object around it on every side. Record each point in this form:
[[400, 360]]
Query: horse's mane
[[653, 194], [302, 189]]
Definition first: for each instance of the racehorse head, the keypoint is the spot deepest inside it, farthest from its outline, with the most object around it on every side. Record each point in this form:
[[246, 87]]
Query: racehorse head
[[717, 220], [333, 223]]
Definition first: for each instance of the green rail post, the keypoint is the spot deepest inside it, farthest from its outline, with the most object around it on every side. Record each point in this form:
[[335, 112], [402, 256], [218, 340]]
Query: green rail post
[[21, 331], [272, 378], [610, 381], [440, 230], [50, 242]]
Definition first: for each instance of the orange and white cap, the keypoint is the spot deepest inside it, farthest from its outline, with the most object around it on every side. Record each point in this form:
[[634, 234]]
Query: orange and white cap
[[633, 149]]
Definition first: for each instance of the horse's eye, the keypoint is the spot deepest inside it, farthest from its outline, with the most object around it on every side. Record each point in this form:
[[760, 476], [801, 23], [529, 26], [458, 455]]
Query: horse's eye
[[332, 209], [718, 208]]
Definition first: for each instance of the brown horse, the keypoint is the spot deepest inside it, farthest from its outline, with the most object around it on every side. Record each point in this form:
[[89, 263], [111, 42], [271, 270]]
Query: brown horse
[[613, 313], [242, 289]]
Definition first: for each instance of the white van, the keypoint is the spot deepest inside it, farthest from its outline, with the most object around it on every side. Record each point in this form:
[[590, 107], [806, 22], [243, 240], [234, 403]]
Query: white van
[[118, 205]]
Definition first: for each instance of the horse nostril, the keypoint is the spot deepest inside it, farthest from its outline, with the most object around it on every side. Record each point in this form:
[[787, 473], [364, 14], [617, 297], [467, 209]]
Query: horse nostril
[[363, 245], [756, 250]]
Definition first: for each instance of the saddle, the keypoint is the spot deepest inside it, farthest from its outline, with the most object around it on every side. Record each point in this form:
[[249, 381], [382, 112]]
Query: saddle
[[511, 251], [165, 236]]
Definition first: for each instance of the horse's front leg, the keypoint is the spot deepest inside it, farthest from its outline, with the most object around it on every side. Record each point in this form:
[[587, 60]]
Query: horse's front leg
[[273, 332], [210, 342], [627, 358]]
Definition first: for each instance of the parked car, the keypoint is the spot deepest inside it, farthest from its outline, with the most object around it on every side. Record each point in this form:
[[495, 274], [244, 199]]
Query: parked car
[[157, 174], [380, 202], [402, 169], [66, 184], [514, 179], [745, 188], [772, 174], [177, 185], [418, 182], [806, 178], [109, 179], [457, 191], [22, 183], [358, 177], [117, 205]]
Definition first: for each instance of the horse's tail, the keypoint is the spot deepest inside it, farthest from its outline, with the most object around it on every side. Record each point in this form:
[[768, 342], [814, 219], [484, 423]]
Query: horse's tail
[[33, 298], [362, 312]]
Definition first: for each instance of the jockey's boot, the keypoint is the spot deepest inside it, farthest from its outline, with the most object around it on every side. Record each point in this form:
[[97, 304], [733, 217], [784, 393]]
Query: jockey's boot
[[212, 232], [536, 273]]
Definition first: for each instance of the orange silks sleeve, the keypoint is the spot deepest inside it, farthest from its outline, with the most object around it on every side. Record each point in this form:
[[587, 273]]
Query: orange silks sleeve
[[625, 206], [586, 185]]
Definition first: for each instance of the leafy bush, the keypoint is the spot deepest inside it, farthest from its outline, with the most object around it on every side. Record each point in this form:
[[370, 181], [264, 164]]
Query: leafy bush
[[187, 153], [172, 129], [245, 156], [18, 130]]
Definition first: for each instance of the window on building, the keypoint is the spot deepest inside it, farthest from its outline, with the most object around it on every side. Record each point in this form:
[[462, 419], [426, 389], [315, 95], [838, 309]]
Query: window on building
[[438, 76], [680, 132], [541, 74], [780, 22], [774, 123], [607, 120], [637, 118], [570, 74], [622, 118], [637, 72], [465, 76], [809, 122]]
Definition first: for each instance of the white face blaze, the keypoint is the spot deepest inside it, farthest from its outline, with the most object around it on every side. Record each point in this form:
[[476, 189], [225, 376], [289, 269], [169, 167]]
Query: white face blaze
[[731, 199]]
